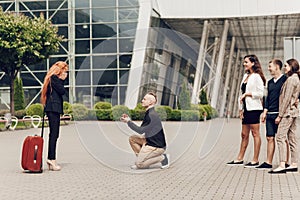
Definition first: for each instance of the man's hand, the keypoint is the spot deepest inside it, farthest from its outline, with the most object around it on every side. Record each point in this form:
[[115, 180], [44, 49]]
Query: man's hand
[[125, 118], [277, 120]]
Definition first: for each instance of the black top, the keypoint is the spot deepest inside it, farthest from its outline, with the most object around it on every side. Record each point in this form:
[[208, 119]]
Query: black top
[[272, 100], [152, 128], [55, 91]]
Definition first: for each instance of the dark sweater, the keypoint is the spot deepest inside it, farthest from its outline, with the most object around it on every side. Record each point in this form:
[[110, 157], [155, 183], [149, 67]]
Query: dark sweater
[[152, 128], [272, 100]]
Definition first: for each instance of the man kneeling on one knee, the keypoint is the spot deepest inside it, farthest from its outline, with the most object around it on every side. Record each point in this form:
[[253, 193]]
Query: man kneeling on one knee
[[150, 145]]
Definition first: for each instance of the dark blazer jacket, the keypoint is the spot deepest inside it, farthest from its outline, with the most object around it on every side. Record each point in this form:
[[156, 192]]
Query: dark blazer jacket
[[55, 91]]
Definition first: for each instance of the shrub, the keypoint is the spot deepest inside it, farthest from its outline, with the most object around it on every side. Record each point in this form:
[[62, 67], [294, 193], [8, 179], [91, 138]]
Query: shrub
[[102, 105], [137, 114], [175, 115], [67, 107], [19, 95], [184, 100], [104, 114], [20, 114], [91, 115], [164, 112], [190, 115], [79, 111], [35, 109], [118, 110]]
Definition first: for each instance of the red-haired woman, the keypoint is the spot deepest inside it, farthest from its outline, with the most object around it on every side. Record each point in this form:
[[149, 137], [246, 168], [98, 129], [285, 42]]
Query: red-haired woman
[[51, 97]]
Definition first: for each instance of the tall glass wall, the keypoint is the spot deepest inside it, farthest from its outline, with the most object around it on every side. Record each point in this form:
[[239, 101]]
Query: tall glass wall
[[98, 45]]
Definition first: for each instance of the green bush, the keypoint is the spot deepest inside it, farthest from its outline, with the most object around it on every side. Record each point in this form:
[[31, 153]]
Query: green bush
[[102, 105], [67, 107], [164, 112], [175, 115], [79, 111], [19, 94], [91, 115], [190, 115], [104, 114], [137, 114], [118, 110], [35, 109], [20, 114], [184, 99]]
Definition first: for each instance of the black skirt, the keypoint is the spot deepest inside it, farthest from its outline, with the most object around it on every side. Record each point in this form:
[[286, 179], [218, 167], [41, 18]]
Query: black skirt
[[251, 117]]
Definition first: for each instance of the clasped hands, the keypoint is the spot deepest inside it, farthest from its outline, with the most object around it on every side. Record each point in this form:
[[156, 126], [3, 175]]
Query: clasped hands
[[125, 118]]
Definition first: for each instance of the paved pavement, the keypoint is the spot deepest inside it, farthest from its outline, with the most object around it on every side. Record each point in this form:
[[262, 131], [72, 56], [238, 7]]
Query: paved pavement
[[95, 159]]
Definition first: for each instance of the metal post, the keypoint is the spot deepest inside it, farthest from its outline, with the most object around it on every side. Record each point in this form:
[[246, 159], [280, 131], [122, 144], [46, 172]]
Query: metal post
[[229, 66], [71, 27], [216, 87], [200, 63]]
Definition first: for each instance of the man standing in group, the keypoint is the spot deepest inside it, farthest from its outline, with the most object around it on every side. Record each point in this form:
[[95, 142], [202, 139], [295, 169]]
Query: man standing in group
[[150, 145], [271, 109]]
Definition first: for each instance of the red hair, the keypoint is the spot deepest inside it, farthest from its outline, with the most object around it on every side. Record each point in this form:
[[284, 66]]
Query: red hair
[[56, 69]]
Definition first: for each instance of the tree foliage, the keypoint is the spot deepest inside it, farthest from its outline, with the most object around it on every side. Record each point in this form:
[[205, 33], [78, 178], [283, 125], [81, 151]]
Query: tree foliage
[[203, 97], [24, 41], [19, 95]]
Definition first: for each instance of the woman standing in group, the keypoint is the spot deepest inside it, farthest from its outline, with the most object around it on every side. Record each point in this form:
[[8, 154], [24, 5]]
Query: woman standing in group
[[288, 113], [51, 97], [252, 89]]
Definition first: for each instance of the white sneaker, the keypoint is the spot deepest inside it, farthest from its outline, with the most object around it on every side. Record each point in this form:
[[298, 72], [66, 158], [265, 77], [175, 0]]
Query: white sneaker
[[133, 167], [166, 162]]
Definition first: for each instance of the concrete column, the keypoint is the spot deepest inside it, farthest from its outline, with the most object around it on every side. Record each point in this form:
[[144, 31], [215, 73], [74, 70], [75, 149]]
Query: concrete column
[[227, 77], [175, 81], [238, 88], [215, 91], [165, 58], [212, 64], [233, 91], [139, 51], [71, 55], [200, 63]]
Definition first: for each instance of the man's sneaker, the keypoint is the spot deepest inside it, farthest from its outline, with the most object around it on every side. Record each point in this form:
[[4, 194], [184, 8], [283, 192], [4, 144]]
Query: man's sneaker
[[251, 165], [235, 163], [264, 166], [166, 162], [133, 167]]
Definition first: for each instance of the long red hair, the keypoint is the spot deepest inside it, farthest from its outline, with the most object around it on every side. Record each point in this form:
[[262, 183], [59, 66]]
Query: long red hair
[[56, 69]]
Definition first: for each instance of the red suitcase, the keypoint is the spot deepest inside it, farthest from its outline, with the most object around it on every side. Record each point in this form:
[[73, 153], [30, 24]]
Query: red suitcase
[[32, 153]]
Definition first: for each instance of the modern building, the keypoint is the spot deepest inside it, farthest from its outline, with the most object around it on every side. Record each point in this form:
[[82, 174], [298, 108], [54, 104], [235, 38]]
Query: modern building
[[119, 49]]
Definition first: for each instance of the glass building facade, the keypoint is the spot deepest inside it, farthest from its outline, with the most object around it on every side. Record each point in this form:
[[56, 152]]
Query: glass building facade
[[98, 45]]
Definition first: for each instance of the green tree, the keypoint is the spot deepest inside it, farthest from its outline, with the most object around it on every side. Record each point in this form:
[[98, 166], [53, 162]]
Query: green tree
[[19, 94], [203, 97], [24, 41], [184, 98]]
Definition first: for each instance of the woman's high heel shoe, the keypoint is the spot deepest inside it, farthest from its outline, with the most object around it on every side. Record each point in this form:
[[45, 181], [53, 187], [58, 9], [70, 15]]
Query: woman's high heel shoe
[[53, 166]]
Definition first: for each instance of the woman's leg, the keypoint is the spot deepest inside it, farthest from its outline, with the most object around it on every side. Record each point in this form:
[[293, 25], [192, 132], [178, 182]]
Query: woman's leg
[[54, 123], [244, 141], [257, 141]]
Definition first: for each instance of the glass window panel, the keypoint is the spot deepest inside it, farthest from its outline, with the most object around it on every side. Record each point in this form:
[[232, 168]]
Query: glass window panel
[[53, 60], [104, 62], [83, 95], [128, 14], [123, 76], [63, 48], [125, 61], [104, 15], [103, 3], [82, 16], [123, 90], [63, 30], [105, 46], [57, 3], [7, 6], [33, 14], [37, 5], [82, 31], [82, 4], [126, 45], [103, 30], [82, 46], [104, 93], [5, 81], [60, 17], [83, 78], [29, 80], [128, 2], [40, 66], [104, 77], [127, 29], [82, 62]]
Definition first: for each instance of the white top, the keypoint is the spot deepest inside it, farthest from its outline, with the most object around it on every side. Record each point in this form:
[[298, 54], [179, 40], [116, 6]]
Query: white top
[[255, 86]]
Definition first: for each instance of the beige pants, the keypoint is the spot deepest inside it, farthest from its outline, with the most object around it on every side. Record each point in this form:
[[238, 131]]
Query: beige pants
[[146, 155], [287, 130]]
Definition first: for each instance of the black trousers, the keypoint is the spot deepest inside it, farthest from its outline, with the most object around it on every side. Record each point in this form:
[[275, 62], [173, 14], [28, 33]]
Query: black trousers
[[54, 123]]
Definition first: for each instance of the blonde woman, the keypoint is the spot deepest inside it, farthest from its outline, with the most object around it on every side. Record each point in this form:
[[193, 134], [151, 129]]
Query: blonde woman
[[51, 97]]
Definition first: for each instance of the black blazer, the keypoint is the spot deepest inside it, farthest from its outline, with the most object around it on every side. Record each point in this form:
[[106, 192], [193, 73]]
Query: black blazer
[[55, 91]]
